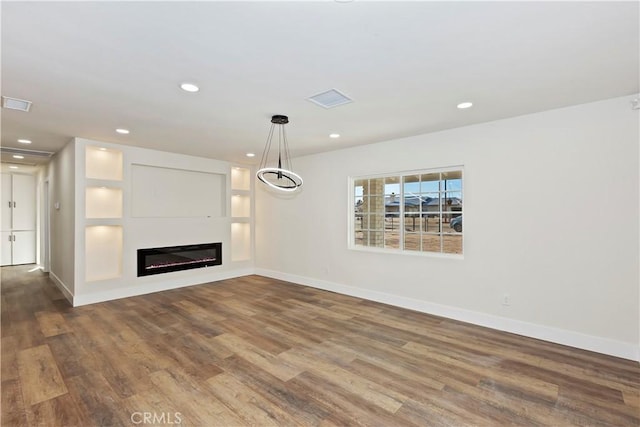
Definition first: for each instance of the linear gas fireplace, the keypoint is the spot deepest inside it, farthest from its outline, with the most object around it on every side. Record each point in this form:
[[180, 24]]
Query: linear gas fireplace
[[176, 258]]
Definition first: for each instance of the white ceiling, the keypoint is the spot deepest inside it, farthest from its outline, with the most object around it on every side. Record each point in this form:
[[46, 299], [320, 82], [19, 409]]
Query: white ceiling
[[91, 67]]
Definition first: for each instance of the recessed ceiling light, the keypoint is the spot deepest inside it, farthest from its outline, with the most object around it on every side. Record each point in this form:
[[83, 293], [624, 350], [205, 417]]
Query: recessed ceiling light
[[464, 105], [251, 155], [123, 131], [24, 141], [189, 87], [13, 167], [334, 135], [102, 149], [18, 156]]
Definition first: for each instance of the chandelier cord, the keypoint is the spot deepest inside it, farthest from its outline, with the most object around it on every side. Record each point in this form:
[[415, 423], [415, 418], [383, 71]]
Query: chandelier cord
[[267, 148], [287, 154], [280, 139]]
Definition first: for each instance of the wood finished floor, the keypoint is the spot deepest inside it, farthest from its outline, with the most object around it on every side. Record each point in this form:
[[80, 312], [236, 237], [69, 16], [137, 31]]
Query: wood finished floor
[[257, 351]]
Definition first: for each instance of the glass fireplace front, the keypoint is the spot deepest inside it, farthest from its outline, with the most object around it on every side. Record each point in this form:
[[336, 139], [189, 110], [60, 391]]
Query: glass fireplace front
[[176, 258]]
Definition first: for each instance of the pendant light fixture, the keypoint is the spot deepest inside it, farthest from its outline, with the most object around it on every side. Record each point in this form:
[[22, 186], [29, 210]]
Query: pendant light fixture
[[279, 177]]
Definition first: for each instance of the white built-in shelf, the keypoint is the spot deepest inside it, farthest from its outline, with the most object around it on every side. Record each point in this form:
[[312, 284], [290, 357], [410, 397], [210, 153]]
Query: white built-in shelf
[[241, 241], [240, 206], [241, 220], [103, 202], [102, 221], [103, 252], [240, 178], [89, 182], [240, 213], [103, 243], [103, 163]]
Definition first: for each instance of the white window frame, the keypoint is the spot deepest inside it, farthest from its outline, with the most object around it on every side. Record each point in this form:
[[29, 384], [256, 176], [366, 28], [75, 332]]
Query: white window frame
[[401, 250]]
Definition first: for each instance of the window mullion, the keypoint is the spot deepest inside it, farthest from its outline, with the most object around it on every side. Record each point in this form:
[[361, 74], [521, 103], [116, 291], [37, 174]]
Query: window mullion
[[401, 211], [441, 195]]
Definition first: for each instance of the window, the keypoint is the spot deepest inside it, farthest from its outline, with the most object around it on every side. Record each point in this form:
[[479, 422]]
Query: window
[[409, 212]]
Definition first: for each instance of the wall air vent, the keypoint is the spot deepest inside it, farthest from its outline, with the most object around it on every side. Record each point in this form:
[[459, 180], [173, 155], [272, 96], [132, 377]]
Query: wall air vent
[[26, 153], [16, 104], [331, 98]]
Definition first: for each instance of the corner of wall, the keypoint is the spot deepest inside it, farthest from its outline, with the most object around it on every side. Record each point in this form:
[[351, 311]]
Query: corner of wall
[[63, 288]]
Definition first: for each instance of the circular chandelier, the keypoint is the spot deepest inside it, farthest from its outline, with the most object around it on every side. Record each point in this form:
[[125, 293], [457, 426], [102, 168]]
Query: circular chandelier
[[279, 177]]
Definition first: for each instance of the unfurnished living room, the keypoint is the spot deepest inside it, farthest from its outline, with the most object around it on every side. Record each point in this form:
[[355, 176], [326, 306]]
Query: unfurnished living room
[[320, 213]]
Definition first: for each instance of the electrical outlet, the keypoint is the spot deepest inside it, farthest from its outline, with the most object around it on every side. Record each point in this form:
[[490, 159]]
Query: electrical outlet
[[506, 300]]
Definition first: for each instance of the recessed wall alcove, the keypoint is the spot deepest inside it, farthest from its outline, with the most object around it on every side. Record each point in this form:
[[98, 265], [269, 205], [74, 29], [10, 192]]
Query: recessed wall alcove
[[164, 192], [119, 199]]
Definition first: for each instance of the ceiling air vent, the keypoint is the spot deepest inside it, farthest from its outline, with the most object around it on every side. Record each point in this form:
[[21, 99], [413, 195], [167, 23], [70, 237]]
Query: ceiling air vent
[[16, 104], [23, 152], [331, 98]]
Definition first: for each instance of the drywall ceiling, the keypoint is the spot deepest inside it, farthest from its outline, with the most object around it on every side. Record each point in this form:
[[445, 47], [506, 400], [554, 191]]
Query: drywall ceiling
[[92, 67]]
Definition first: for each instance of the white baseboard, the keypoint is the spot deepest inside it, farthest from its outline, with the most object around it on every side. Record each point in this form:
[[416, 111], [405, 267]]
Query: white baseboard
[[60, 285], [156, 286], [532, 330]]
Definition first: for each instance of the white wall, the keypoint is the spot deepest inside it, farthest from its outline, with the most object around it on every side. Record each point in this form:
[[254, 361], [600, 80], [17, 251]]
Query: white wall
[[61, 176], [551, 218], [41, 212]]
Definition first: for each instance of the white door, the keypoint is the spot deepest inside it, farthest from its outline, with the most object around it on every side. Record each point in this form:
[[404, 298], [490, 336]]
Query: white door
[[5, 247], [24, 202], [24, 247], [6, 203]]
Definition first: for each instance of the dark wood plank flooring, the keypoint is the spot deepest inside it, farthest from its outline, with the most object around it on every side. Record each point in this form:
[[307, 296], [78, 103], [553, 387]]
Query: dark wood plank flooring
[[257, 351]]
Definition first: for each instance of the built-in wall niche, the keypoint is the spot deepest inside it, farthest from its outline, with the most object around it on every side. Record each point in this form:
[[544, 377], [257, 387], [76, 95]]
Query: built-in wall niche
[[240, 178], [176, 193], [103, 202], [240, 206], [241, 213], [103, 252], [241, 241], [103, 163]]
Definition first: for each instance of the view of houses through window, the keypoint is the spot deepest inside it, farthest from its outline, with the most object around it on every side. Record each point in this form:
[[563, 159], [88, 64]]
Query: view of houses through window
[[409, 212]]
